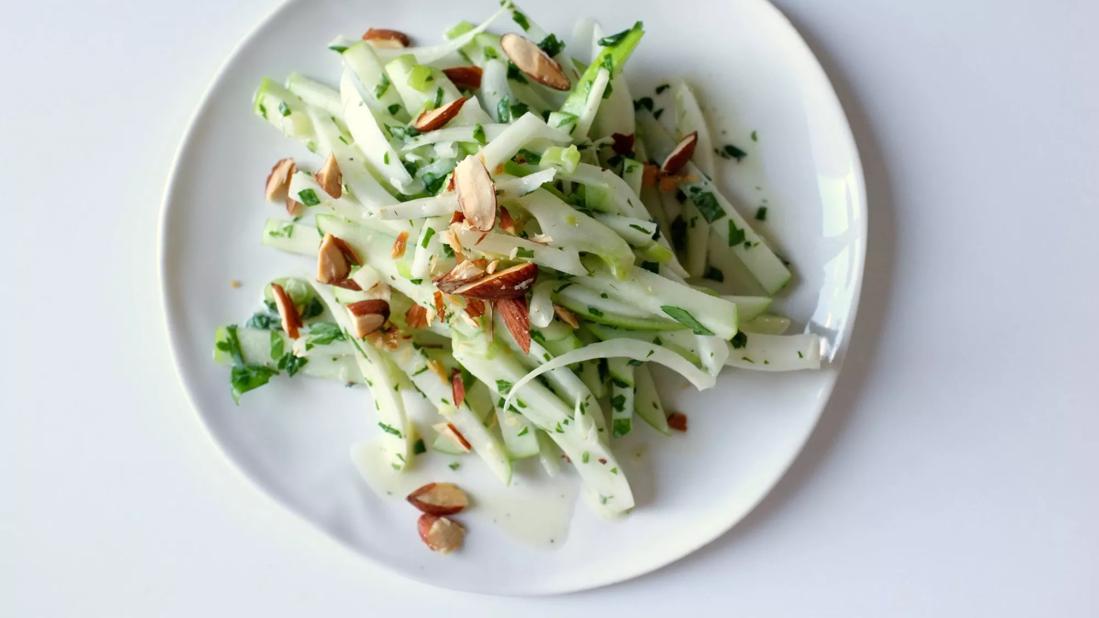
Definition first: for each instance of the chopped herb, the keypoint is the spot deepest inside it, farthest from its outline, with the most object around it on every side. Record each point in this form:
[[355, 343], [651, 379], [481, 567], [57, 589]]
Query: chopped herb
[[643, 102], [708, 206], [390, 429], [433, 182], [416, 281], [615, 39], [761, 213], [403, 133], [262, 110], [448, 251], [277, 345], [634, 362], [585, 458], [322, 333], [286, 230], [755, 137], [713, 273], [658, 113], [309, 197], [244, 378], [739, 340], [284, 109], [523, 252], [524, 431], [679, 233], [614, 470], [503, 110], [514, 74], [419, 447], [438, 97], [428, 233], [393, 109], [745, 358], [551, 45], [503, 386], [661, 88], [263, 321], [639, 229], [684, 317], [291, 364], [379, 90], [736, 235], [800, 355], [608, 64], [385, 158], [596, 312], [490, 52], [479, 135], [339, 49], [520, 19], [730, 151], [618, 402], [559, 429], [620, 427], [652, 267]]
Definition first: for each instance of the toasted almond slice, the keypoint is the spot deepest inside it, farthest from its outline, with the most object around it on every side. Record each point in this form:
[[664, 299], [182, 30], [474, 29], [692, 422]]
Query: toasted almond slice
[[384, 37], [566, 316], [452, 431], [330, 178], [534, 62], [465, 78], [457, 388], [439, 498], [440, 305], [677, 421], [291, 320], [440, 534], [367, 316], [476, 193], [516, 317], [348, 284], [332, 262], [416, 316], [506, 222], [679, 155], [623, 144], [399, 245], [475, 307], [438, 117], [508, 283], [277, 186], [463, 273], [294, 208]]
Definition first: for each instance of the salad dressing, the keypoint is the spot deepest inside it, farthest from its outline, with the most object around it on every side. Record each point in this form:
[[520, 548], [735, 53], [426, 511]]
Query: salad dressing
[[534, 509]]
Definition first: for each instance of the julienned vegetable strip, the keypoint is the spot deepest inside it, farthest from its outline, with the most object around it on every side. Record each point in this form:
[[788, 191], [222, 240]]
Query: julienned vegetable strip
[[500, 231]]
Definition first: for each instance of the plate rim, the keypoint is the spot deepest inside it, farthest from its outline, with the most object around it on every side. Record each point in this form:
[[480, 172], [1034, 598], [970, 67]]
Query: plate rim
[[837, 363]]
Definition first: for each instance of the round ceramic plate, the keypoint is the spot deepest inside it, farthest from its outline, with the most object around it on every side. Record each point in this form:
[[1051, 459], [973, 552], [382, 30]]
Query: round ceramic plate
[[762, 90]]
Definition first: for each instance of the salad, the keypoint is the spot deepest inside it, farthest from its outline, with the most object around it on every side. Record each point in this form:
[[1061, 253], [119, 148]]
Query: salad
[[493, 224]]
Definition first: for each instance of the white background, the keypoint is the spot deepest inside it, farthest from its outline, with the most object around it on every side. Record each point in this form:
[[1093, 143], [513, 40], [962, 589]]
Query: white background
[[954, 472]]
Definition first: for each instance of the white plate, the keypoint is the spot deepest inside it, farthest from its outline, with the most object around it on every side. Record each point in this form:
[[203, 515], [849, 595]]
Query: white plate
[[753, 72]]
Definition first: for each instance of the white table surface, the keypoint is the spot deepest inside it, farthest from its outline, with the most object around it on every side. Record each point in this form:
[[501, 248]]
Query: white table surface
[[953, 474]]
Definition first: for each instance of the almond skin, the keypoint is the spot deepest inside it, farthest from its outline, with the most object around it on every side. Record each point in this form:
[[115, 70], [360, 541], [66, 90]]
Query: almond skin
[[465, 78], [457, 388], [291, 321], [475, 308], [463, 273], [516, 317], [439, 499], [332, 262], [623, 144], [367, 316], [511, 282], [384, 37], [566, 316], [399, 245], [438, 117], [476, 193], [533, 62], [416, 316], [679, 155], [294, 208], [677, 421], [277, 186], [506, 222], [330, 178], [440, 534]]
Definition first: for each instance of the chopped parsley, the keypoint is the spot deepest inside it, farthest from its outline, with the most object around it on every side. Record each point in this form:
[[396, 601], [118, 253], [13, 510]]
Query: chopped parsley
[[503, 386], [619, 428], [615, 39], [657, 113], [454, 465], [595, 312], [761, 213], [739, 340], [322, 333], [479, 135], [520, 19], [523, 252], [643, 102], [514, 74], [339, 49], [524, 431], [382, 87], [286, 230], [309, 197], [284, 109], [419, 447], [393, 109], [428, 233], [730, 151], [736, 234], [618, 402], [684, 317], [661, 88], [390, 429], [551, 45], [755, 136]]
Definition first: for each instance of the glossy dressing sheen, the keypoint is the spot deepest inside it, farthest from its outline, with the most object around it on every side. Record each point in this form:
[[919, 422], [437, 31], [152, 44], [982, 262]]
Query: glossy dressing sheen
[[534, 509]]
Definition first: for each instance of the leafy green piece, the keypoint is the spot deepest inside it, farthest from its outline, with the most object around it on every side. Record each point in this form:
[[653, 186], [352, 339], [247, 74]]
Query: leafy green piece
[[520, 19], [761, 213], [614, 39], [390, 429], [620, 427], [730, 151], [322, 333], [309, 197], [736, 235], [551, 45], [382, 87], [479, 135], [739, 340], [244, 378], [708, 206], [393, 109], [684, 317]]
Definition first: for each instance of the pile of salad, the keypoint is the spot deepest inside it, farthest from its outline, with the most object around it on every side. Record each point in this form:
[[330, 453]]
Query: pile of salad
[[496, 225]]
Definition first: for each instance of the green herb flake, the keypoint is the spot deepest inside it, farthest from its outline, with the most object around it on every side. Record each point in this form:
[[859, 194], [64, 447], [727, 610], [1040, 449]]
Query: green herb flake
[[284, 109], [503, 386], [551, 45], [393, 109], [616, 38], [523, 252], [524, 431], [479, 135], [755, 136], [739, 340], [339, 49], [438, 97], [382, 87], [419, 447], [514, 74], [385, 158], [503, 110], [730, 151], [684, 317], [761, 213], [585, 458], [661, 88], [277, 345], [390, 429], [595, 312], [309, 197], [643, 102], [800, 355], [713, 274], [652, 267], [658, 113], [620, 427], [520, 19], [618, 402], [736, 234]]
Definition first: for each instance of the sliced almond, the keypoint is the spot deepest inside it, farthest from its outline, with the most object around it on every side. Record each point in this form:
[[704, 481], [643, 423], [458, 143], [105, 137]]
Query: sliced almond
[[623, 144], [332, 262], [294, 208], [534, 62], [277, 187], [475, 307], [439, 499], [516, 317], [476, 193], [438, 369], [566, 316], [438, 117], [465, 78], [457, 388], [677, 421], [367, 316], [506, 222], [386, 38], [330, 178], [399, 245], [679, 155], [291, 320], [463, 273], [440, 534], [416, 316], [348, 284], [440, 305], [450, 430], [508, 283]]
